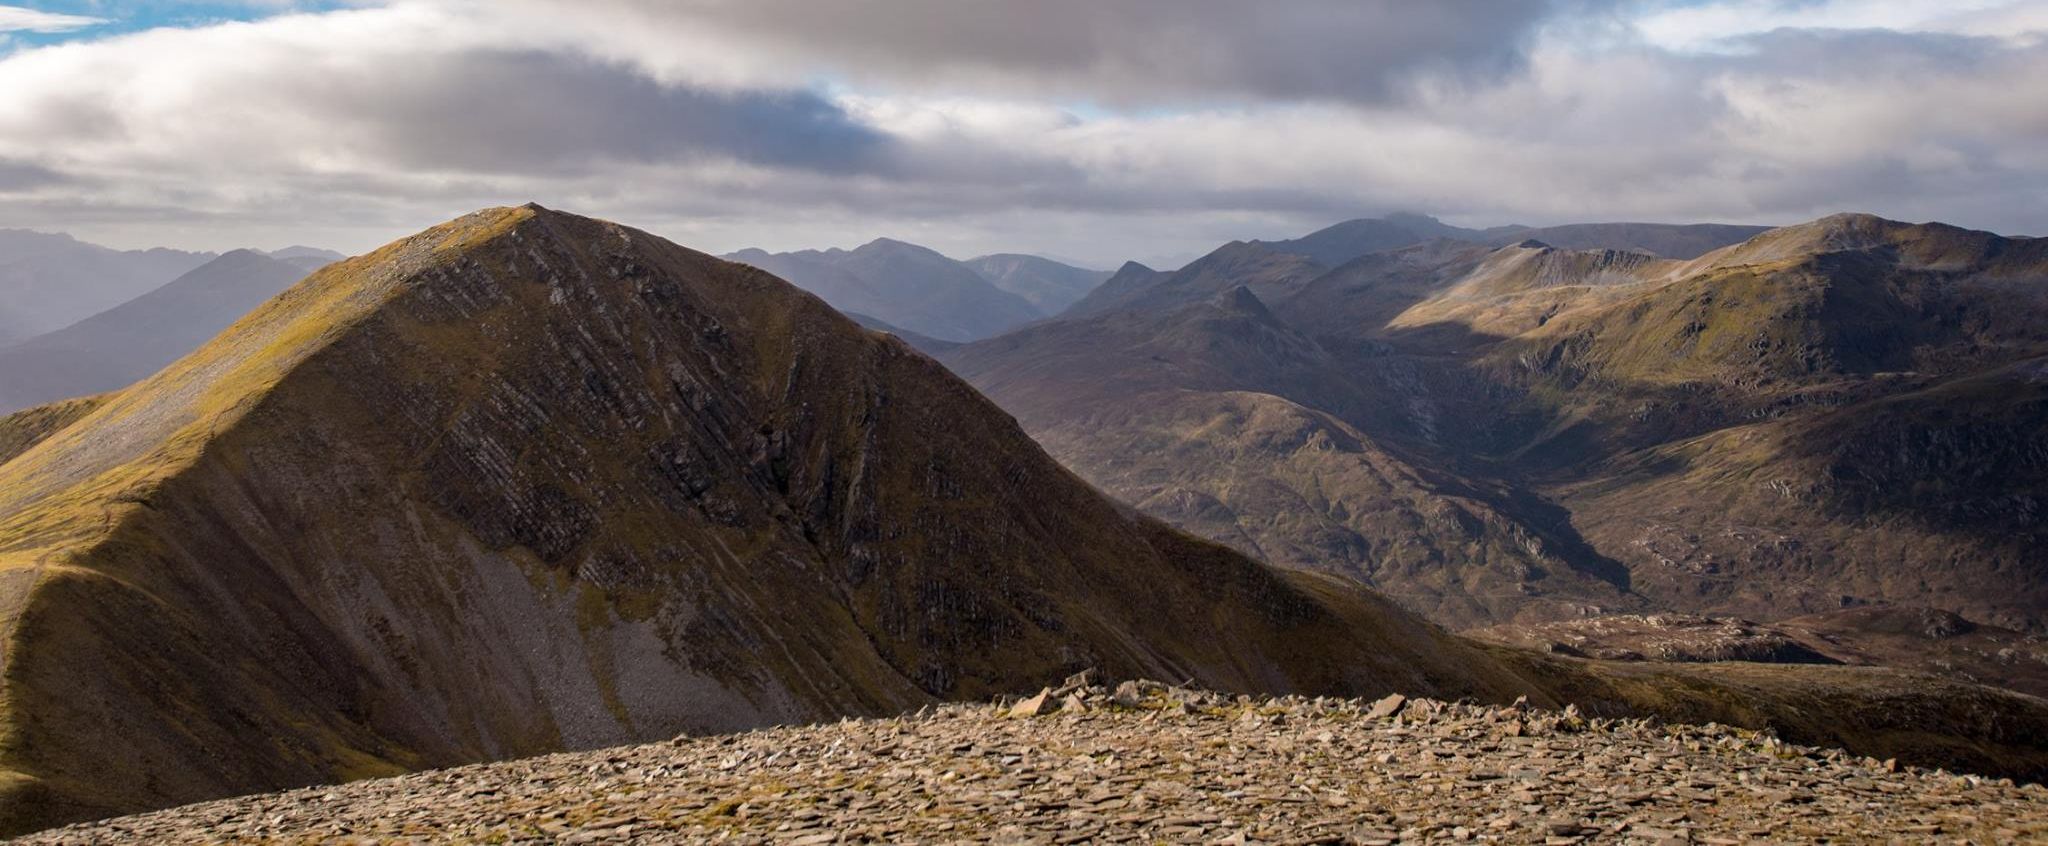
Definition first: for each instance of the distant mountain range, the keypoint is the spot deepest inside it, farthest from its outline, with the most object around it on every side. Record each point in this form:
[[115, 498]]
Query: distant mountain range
[[116, 347], [49, 281], [1837, 413], [918, 289], [1342, 242]]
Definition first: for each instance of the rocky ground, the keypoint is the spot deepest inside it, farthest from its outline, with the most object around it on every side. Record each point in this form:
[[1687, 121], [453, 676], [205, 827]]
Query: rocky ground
[[1148, 763]]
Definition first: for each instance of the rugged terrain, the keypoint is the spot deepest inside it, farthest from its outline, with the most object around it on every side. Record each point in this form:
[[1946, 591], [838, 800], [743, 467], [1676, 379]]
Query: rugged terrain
[[1840, 413], [528, 481], [1150, 764]]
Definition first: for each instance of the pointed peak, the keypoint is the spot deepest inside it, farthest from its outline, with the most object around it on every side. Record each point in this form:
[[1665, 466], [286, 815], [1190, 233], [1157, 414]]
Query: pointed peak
[[1530, 244], [1241, 299], [1134, 267]]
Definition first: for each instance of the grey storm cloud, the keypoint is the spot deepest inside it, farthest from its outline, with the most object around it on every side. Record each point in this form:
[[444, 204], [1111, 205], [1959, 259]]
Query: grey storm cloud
[[18, 176], [1136, 51], [499, 111]]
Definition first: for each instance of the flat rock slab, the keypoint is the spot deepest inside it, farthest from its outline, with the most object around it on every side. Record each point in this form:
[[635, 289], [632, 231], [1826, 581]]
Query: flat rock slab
[[1181, 767]]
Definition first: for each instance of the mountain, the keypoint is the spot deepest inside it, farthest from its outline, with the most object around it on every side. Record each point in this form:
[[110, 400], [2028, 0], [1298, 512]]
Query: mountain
[[305, 253], [1843, 412], [123, 344], [922, 343], [528, 481], [1673, 241], [48, 281], [1225, 420], [1049, 285], [1340, 243], [1264, 271], [903, 284]]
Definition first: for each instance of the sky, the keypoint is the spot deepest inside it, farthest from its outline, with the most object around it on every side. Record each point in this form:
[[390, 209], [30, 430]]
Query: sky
[[1090, 130]]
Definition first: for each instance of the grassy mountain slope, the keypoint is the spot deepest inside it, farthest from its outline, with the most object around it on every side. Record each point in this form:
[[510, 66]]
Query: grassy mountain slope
[[1841, 411], [1222, 419], [528, 481], [1672, 241]]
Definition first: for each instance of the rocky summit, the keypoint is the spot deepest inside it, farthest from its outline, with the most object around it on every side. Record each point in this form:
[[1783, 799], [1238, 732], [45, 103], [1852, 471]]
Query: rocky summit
[[1147, 763]]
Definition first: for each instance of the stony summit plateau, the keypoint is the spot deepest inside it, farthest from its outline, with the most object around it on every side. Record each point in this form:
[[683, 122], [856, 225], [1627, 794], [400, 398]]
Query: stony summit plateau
[[1150, 764]]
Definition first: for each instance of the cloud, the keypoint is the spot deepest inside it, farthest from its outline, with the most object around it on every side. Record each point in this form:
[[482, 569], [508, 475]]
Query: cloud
[[1104, 130], [1128, 52], [18, 19], [21, 176], [1718, 26], [412, 89]]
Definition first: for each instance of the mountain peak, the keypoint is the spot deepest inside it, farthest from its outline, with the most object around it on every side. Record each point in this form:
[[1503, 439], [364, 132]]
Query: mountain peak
[[529, 480], [1240, 299]]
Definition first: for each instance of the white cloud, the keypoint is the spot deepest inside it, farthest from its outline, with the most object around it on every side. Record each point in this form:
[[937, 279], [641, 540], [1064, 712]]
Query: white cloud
[[349, 127], [1721, 25], [18, 19]]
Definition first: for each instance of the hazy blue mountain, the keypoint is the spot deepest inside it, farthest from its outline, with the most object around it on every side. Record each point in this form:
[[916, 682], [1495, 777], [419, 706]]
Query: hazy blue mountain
[[118, 346], [902, 284], [49, 281], [1049, 285]]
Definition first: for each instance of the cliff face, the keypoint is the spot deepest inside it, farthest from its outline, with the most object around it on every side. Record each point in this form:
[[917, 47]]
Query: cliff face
[[528, 481]]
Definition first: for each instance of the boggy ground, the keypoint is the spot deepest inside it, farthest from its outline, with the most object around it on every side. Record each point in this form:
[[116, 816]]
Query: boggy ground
[[1149, 764]]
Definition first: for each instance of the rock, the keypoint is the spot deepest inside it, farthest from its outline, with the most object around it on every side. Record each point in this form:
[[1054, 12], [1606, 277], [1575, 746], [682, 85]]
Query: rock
[[1035, 705], [1128, 695], [1073, 704], [1230, 774], [1387, 706]]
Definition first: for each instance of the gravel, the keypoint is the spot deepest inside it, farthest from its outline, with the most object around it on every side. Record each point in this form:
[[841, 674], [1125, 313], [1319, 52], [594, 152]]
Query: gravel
[[1149, 763]]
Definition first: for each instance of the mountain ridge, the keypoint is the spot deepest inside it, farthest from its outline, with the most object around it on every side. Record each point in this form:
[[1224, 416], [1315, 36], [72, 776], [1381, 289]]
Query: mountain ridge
[[902, 284], [715, 533], [1719, 434]]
